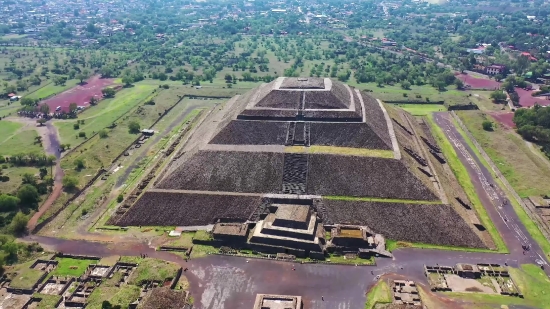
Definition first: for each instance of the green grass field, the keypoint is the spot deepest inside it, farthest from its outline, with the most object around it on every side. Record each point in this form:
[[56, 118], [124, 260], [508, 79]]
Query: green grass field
[[23, 277], [463, 178], [71, 267], [532, 282], [421, 109], [380, 293], [8, 128], [152, 269], [47, 301], [21, 142], [51, 89], [524, 170]]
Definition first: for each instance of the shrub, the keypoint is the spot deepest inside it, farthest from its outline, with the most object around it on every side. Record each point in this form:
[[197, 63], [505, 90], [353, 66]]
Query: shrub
[[69, 182], [79, 163], [165, 86], [76, 126], [119, 198], [487, 125], [81, 134], [133, 127], [103, 134]]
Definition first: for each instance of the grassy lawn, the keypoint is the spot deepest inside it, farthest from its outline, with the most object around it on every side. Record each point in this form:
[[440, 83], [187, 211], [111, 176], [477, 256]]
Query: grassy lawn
[[532, 282], [152, 269], [16, 175], [22, 142], [24, 277], [122, 296], [464, 179], [7, 128], [357, 261], [421, 109], [524, 170], [47, 301], [9, 110], [71, 267], [380, 293], [52, 89], [102, 115]]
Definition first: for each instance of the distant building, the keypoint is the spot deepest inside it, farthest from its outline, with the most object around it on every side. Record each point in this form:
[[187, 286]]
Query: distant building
[[495, 69], [278, 11]]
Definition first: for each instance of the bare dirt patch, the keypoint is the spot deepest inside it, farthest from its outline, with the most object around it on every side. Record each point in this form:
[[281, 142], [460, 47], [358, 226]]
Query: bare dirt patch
[[80, 94]]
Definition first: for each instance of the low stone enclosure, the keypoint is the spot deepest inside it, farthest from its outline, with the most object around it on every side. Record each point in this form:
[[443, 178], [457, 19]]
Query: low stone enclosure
[[480, 278], [74, 292], [406, 293], [271, 301]]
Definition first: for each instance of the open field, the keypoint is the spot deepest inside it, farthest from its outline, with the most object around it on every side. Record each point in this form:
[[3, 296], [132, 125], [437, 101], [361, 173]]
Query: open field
[[102, 115], [47, 301], [532, 282], [527, 100], [52, 89], [478, 83], [523, 169], [18, 142], [421, 109], [80, 94]]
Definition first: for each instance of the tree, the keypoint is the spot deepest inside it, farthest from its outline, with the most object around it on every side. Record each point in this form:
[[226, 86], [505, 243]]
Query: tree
[[93, 101], [133, 127], [28, 178], [405, 85], [72, 108], [498, 96], [127, 80], [18, 224], [103, 133], [45, 109], [41, 121], [487, 125], [43, 172], [81, 77], [119, 198], [459, 84], [28, 195], [28, 102], [69, 182], [108, 92], [79, 163], [8, 202]]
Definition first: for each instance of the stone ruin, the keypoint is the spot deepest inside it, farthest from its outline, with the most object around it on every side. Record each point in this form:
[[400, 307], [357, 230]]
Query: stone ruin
[[359, 240], [406, 293], [271, 301]]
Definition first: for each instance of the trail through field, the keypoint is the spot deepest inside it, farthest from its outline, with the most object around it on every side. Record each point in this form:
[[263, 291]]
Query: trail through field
[[26, 126], [50, 141]]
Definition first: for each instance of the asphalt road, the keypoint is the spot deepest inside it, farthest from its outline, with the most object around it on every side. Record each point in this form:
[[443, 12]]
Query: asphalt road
[[221, 282]]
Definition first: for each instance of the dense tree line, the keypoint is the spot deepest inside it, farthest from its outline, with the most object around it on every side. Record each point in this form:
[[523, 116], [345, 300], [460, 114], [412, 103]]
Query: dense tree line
[[534, 125]]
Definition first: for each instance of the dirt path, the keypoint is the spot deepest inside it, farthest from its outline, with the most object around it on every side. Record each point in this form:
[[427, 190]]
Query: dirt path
[[50, 141]]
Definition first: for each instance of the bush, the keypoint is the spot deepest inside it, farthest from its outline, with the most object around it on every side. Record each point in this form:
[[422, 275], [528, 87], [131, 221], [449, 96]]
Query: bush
[[28, 195], [487, 125], [150, 102], [18, 224], [79, 163], [76, 126], [119, 198], [69, 182], [81, 134], [165, 86], [103, 134], [133, 127]]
